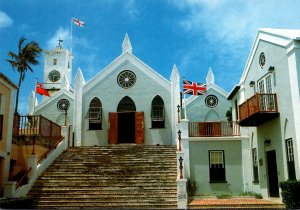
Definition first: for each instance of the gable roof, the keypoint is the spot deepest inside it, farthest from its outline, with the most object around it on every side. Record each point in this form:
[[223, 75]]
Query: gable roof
[[281, 37], [127, 56], [52, 98]]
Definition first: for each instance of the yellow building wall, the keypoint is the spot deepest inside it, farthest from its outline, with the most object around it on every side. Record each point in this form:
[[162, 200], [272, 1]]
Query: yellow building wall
[[6, 92]]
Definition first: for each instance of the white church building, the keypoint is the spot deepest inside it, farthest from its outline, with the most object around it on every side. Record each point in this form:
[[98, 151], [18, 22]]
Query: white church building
[[226, 149]]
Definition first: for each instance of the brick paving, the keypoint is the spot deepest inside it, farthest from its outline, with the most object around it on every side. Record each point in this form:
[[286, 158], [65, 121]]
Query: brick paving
[[234, 203]]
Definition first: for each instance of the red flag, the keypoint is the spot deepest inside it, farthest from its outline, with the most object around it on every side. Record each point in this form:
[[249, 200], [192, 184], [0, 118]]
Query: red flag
[[41, 90], [193, 88], [78, 22]]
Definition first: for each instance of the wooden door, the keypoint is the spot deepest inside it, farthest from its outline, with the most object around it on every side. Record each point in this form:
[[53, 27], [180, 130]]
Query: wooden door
[[139, 127], [272, 174], [113, 128]]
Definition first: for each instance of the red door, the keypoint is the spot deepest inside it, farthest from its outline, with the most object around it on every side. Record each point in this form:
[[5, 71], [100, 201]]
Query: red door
[[139, 127], [113, 128]]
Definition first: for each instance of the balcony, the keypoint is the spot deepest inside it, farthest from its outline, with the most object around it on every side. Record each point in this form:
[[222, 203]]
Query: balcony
[[213, 129], [258, 110]]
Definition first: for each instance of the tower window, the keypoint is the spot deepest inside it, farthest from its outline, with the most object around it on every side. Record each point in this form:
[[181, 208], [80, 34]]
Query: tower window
[[55, 61], [157, 113], [95, 114]]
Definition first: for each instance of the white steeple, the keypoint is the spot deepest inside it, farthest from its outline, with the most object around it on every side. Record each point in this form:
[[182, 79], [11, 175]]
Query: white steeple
[[32, 103], [210, 78], [126, 46]]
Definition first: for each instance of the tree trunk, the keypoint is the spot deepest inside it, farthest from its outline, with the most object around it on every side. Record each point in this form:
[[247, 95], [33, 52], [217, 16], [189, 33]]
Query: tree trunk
[[18, 91]]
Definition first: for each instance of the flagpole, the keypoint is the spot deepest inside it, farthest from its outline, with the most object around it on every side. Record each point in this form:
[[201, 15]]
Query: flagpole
[[71, 35], [184, 101]]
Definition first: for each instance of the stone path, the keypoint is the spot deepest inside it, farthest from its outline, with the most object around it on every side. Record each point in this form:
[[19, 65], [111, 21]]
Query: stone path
[[234, 203]]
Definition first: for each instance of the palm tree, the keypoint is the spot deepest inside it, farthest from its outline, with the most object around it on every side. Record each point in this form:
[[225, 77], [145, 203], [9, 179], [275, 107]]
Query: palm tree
[[22, 61]]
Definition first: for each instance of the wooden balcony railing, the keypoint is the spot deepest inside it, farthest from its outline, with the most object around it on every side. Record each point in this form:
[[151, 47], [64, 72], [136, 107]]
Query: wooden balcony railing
[[258, 109], [36, 125], [213, 129]]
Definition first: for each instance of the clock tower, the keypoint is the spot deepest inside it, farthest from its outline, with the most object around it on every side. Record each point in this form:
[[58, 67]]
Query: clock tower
[[57, 69]]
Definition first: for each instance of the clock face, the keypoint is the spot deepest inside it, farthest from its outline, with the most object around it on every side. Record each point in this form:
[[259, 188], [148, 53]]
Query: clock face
[[54, 76]]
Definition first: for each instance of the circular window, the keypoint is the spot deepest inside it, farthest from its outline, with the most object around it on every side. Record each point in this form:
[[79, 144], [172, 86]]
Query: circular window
[[63, 105], [211, 101], [126, 79], [262, 59]]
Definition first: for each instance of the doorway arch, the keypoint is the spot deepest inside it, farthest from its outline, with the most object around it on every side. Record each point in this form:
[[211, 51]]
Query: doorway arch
[[126, 105]]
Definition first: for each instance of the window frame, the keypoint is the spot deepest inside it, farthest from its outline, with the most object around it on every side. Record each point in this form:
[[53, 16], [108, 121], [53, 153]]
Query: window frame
[[157, 112], [217, 174], [95, 123], [255, 167], [1, 126], [290, 159]]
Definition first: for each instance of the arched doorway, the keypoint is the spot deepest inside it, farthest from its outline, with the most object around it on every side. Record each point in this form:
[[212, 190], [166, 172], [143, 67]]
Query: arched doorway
[[126, 125]]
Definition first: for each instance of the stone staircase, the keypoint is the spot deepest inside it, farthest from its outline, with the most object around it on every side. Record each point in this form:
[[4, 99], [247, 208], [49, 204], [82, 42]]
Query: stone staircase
[[117, 176]]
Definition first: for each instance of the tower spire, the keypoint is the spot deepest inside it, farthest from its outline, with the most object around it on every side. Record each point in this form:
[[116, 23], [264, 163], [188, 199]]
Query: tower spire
[[210, 78], [126, 46]]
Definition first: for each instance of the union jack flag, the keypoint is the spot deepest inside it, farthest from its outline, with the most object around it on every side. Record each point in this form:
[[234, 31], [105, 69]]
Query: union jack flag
[[193, 88]]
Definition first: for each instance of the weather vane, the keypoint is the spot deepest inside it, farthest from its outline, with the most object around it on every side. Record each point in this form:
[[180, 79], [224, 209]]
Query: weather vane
[[59, 43]]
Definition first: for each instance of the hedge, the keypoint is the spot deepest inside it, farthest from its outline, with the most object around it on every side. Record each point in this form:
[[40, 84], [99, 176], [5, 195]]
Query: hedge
[[290, 194]]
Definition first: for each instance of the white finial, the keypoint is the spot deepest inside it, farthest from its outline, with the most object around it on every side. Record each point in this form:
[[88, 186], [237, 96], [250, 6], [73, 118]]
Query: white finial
[[210, 78], [126, 46]]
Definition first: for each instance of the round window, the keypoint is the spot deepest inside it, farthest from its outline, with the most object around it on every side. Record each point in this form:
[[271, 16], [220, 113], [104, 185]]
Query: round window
[[126, 79], [262, 60], [211, 101]]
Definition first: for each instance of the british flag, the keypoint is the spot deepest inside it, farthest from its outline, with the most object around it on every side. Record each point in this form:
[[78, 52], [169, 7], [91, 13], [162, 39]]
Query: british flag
[[193, 88]]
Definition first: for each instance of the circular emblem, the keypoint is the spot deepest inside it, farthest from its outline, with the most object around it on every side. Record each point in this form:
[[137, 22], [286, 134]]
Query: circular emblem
[[63, 105], [54, 76], [211, 101], [262, 60], [126, 79]]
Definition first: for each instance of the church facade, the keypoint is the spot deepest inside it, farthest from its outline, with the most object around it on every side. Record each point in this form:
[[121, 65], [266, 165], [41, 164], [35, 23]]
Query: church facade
[[226, 149]]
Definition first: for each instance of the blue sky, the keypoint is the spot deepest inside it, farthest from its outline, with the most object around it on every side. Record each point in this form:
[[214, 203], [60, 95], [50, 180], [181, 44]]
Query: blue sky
[[193, 34]]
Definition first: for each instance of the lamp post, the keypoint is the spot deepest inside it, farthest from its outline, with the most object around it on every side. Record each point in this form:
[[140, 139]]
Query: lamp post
[[179, 140], [180, 167], [178, 112]]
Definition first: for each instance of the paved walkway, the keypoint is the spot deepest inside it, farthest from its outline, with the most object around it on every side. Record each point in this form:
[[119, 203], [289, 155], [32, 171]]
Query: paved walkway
[[234, 203]]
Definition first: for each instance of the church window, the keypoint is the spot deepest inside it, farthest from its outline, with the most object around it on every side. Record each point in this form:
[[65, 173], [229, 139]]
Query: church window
[[211, 101], [216, 166], [158, 112], [54, 61], [126, 79], [95, 114], [255, 165]]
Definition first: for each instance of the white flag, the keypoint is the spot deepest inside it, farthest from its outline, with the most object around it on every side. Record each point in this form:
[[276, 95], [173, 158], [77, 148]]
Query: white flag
[[78, 22]]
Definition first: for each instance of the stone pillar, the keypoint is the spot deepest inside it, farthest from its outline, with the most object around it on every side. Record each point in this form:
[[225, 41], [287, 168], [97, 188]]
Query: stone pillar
[[181, 194], [32, 163], [65, 132], [10, 189], [185, 146]]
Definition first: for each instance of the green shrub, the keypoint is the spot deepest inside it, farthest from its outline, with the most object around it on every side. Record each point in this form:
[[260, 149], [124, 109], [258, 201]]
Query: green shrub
[[290, 194], [191, 187], [224, 196]]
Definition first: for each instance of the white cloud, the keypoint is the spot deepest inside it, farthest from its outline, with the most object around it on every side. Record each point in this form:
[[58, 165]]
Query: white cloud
[[61, 33], [131, 8], [5, 20]]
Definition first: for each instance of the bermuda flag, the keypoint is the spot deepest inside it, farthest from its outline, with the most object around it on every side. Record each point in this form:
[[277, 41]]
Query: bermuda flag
[[41, 90], [78, 22], [193, 88]]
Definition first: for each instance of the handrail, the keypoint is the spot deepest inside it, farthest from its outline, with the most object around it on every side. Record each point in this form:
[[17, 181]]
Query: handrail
[[214, 129], [46, 153], [22, 178], [260, 102]]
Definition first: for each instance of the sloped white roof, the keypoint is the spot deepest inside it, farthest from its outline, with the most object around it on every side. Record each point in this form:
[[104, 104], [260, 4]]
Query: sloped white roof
[[281, 37], [289, 33]]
